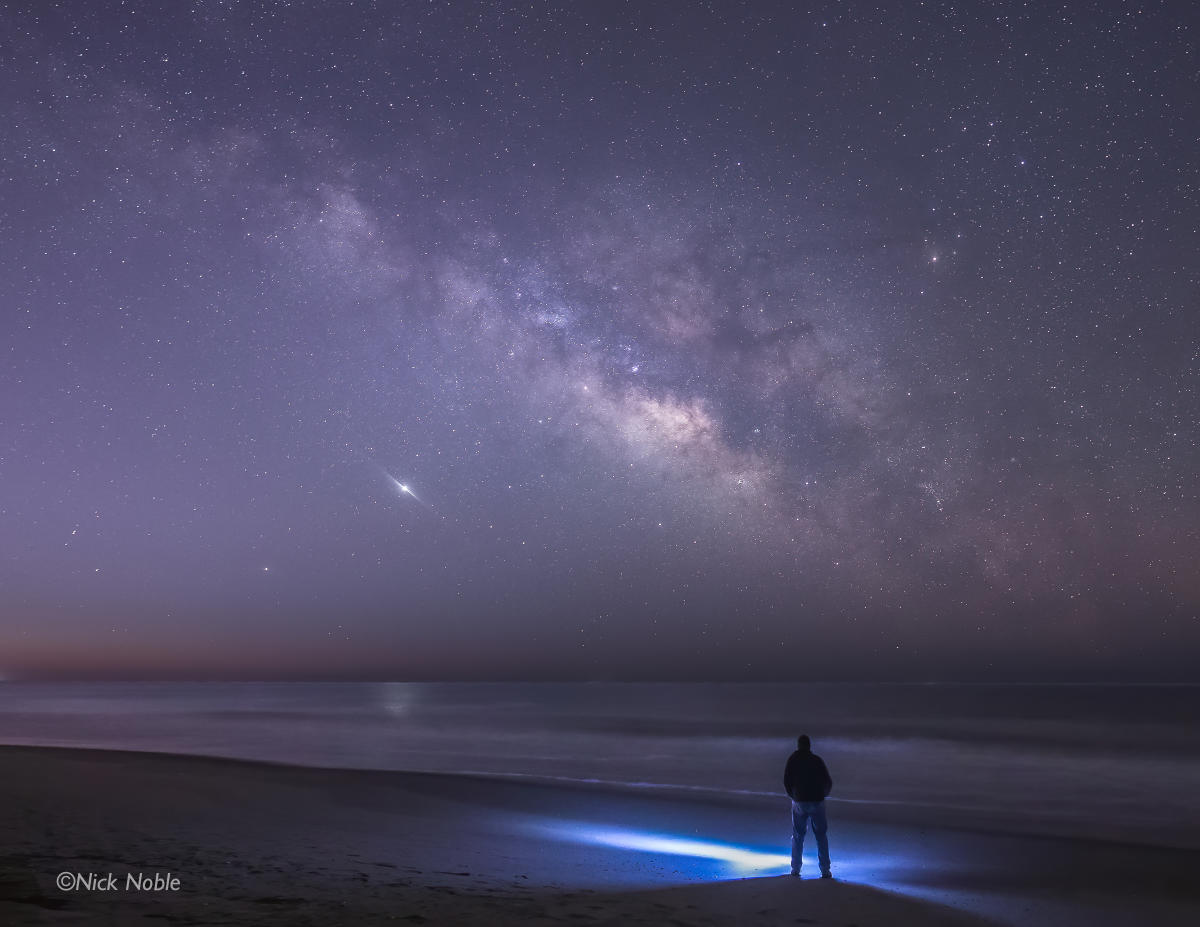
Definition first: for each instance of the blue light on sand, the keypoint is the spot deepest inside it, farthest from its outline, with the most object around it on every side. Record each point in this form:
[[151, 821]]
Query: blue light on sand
[[739, 857], [740, 860], [709, 858]]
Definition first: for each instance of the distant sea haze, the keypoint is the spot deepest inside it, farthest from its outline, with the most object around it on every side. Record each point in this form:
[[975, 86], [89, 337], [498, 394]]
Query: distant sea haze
[[1107, 762]]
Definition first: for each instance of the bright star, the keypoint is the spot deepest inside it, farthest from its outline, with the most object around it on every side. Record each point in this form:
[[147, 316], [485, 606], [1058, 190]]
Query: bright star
[[403, 488]]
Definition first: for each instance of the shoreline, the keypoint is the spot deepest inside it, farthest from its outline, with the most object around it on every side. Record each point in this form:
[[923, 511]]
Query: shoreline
[[899, 813], [367, 846]]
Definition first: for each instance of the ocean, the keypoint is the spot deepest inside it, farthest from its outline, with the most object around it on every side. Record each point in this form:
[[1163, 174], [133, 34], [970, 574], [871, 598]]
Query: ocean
[[1103, 762]]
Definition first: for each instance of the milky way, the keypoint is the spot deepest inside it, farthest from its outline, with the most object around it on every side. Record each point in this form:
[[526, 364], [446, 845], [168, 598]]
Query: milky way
[[733, 342]]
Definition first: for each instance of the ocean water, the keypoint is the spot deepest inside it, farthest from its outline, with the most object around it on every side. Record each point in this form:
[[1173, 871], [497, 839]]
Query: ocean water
[[1107, 762]]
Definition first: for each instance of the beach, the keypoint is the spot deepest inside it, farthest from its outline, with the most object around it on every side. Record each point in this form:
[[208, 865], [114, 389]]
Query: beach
[[269, 843]]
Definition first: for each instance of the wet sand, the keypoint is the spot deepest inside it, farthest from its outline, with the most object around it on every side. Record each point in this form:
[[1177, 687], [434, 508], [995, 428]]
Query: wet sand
[[256, 843]]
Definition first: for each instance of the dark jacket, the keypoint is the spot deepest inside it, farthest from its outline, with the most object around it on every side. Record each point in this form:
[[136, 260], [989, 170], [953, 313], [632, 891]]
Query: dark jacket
[[805, 778]]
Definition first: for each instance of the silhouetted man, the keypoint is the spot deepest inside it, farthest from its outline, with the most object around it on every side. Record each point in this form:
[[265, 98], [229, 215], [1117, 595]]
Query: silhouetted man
[[807, 782]]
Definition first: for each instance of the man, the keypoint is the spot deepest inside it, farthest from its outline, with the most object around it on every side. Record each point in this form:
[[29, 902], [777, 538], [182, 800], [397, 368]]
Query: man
[[807, 782]]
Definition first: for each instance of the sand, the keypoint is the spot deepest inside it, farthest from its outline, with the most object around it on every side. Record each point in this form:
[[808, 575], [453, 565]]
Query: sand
[[256, 843]]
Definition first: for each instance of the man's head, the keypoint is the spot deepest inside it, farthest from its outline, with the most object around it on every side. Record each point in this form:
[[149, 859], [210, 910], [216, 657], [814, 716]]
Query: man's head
[[803, 742]]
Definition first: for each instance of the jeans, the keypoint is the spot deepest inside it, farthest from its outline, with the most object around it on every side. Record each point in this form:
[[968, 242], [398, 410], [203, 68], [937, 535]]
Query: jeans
[[802, 813]]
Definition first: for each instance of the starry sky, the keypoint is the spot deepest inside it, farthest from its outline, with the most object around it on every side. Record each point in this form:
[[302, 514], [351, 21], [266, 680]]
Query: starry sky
[[711, 340]]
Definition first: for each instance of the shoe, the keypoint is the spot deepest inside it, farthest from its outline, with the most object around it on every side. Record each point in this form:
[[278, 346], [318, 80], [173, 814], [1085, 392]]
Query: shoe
[[795, 873], [827, 875]]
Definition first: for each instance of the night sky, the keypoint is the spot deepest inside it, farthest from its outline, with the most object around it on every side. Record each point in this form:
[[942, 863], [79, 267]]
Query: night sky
[[709, 340]]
